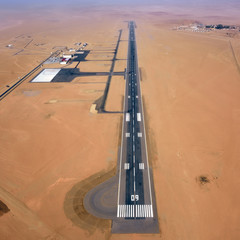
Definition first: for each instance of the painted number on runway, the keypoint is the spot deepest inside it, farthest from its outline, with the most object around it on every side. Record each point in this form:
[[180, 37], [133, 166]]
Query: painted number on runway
[[134, 198]]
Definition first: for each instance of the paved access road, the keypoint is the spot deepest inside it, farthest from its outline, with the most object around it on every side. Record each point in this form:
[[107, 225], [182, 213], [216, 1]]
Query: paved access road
[[134, 190]]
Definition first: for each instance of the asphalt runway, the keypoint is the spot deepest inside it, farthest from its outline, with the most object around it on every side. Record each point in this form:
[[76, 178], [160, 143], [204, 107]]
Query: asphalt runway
[[134, 163], [132, 190], [136, 202]]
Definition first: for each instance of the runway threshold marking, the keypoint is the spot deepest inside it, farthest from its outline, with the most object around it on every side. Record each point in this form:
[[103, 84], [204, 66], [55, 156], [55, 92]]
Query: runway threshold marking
[[135, 211]]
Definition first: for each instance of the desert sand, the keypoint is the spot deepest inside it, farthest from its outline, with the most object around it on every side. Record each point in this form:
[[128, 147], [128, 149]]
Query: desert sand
[[50, 142]]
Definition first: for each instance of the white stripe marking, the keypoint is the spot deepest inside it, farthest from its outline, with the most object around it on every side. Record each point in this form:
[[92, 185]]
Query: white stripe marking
[[151, 211], [127, 117], [139, 117], [141, 166], [126, 166], [120, 210]]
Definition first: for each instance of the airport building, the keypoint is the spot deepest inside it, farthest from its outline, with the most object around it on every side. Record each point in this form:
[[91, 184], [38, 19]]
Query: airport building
[[66, 58]]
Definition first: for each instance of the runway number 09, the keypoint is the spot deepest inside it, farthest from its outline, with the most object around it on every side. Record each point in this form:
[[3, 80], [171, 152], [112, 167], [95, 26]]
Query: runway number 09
[[134, 198]]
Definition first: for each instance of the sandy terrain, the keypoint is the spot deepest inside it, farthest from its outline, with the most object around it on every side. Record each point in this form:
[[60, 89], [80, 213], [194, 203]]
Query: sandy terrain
[[191, 95], [50, 143]]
